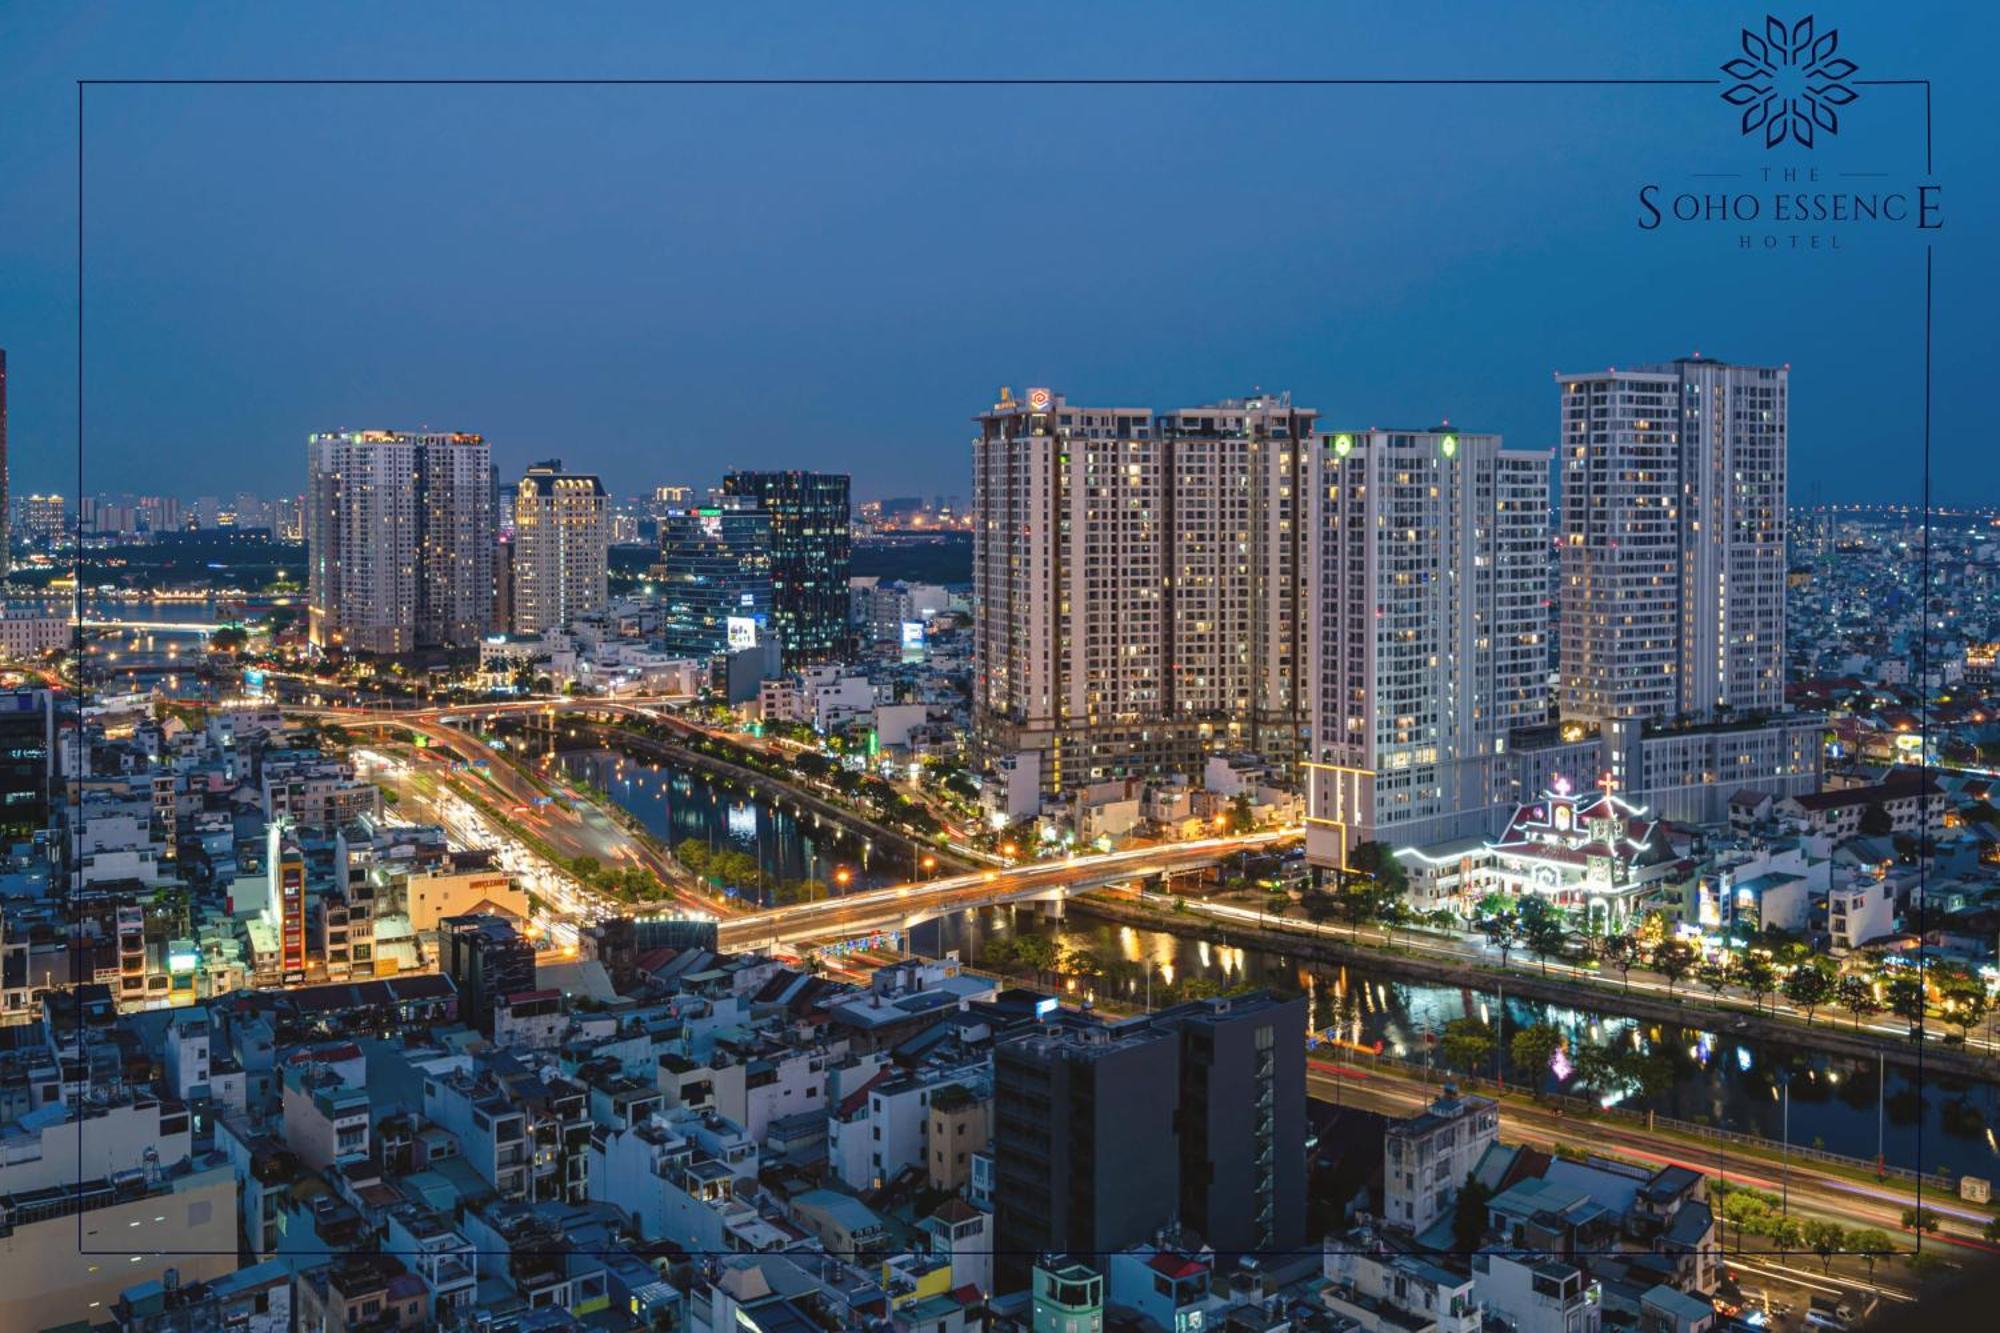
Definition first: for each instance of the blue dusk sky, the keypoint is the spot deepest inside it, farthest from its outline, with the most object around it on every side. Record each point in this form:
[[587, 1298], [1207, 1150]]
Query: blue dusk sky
[[658, 283]]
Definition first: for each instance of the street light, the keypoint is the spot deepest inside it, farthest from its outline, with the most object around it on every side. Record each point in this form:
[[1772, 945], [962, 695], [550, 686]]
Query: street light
[[1785, 1145], [842, 876]]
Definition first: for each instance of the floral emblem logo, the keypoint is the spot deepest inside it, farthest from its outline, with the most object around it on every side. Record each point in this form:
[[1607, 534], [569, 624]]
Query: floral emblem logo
[[1790, 82]]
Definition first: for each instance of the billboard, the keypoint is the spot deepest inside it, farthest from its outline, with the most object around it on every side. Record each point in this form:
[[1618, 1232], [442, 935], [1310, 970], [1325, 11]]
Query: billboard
[[742, 632]]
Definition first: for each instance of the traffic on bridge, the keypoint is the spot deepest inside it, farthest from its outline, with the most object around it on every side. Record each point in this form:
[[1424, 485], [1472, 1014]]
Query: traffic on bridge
[[901, 906]]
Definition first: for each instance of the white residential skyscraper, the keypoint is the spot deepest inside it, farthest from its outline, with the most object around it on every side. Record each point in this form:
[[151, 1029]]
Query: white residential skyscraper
[[1429, 614], [1135, 585], [562, 533], [399, 540], [1673, 541]]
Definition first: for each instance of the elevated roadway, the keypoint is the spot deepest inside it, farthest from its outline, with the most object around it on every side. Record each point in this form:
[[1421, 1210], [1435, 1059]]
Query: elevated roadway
[[902, 906]]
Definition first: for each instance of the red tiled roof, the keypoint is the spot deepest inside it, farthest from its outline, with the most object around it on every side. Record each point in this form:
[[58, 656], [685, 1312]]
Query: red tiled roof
[[853, 1100], [1176, 1266]]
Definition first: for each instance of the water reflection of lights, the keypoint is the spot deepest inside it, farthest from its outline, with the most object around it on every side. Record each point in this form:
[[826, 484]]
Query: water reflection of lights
[[1743, 1059]]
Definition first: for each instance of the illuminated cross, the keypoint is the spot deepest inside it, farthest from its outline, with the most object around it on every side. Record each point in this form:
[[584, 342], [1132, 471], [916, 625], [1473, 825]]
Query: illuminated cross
[[1609, 781], [1561, 786]]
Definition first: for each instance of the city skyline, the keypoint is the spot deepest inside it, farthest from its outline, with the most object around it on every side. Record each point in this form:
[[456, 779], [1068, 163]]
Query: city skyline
[[766, 343], [1164, 669]]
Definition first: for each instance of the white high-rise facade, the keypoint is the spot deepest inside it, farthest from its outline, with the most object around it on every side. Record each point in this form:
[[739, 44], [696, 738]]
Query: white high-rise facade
[[399, 540], [1428, 604], [1673, 541], [562, 536], [1136, 585]]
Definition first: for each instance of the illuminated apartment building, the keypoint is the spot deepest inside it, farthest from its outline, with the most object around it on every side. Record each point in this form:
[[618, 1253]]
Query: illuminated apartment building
[[1673, 540], [562, 536], [1672, 575], [1430, 620], [1136, 585], [399, 540]]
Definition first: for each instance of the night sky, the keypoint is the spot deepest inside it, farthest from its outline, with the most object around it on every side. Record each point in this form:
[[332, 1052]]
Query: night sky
[[659, 283]]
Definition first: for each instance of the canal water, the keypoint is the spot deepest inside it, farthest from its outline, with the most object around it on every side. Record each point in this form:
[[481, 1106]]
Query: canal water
[[163, 649], [1720, 1079], [1836, 1103], [676, 804]]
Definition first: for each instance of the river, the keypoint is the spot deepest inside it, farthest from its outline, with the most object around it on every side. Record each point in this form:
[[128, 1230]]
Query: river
[[675, 804], [1720, 1079], [160, 645]]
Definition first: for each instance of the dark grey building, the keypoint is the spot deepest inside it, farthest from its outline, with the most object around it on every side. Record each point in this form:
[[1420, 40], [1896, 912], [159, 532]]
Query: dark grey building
[[714, 578], [1106, 1132], [27, 750], [485, 958], [1085, 1157], [1242, 1120], [811, 556]]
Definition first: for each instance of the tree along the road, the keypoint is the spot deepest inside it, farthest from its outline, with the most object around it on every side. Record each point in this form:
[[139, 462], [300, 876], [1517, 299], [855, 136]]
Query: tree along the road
[[1809, 986], [1908, 1002], [1758, 977], [1597, 1068], [1825, 1239], [1531, 1049], [1379, 862], [1040, 953], [1856, 996], [1921, 1219], [1618, 1070], [1965, 1001], [1372, 888], [1468, 1045], [1672, 960], [1622, 952], [1871, 1245], [1500, 928], [1543, 928], [1081, 962]]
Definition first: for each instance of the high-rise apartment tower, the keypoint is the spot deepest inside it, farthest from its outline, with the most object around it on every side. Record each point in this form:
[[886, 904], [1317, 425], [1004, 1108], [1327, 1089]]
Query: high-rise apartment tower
[[399, 540], [562, 539]]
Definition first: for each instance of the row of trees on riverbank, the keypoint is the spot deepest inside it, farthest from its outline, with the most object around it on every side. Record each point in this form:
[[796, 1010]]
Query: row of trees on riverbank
[[1768, 968]]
